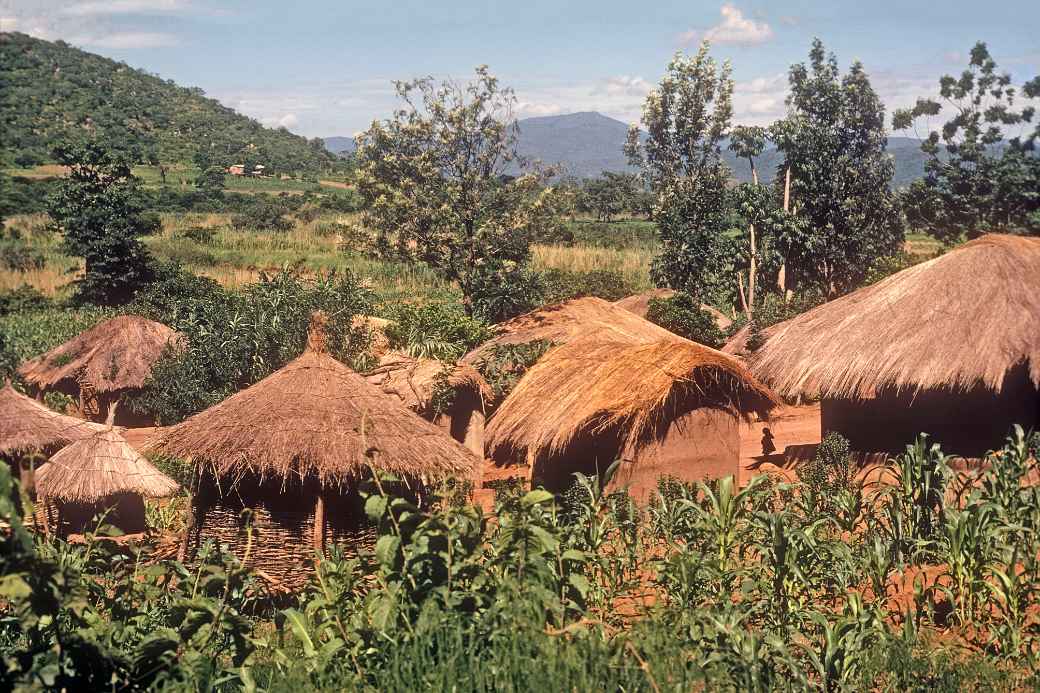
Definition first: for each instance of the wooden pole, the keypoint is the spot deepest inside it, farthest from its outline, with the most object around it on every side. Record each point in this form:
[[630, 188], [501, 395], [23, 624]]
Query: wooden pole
[[319, 524], [782, 280]]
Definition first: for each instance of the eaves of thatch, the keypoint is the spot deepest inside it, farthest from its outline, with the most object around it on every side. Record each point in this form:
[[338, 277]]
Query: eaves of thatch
[[27, 425], [114, 355], [99, 467], [315, 417], [636, 389], [965, 318]]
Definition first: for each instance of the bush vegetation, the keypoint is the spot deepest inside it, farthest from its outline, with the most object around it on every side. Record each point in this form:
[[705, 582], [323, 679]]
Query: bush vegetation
[[683, 315], [754, 589]]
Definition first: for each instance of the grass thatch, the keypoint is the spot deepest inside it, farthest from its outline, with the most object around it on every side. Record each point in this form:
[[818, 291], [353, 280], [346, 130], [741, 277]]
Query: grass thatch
[[413, 380], [640, 304], [315, 417], [114, 355], [27, 425], [600, 383], [963, 319], [98, 467], [562, 322]]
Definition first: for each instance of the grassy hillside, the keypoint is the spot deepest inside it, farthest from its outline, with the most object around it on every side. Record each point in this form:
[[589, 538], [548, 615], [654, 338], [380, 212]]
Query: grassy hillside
[[51, 93]]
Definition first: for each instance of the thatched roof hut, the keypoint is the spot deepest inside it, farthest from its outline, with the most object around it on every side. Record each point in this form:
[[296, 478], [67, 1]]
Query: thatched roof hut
[[27, 425], [640, 304], [562, 322], [423, 385], [950, 346], [98, 473], [668, 406], [102, 363], [293, 443]]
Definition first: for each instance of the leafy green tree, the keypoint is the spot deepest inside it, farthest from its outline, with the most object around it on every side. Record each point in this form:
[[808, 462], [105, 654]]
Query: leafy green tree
[[834, 144], [686, 118], [611, 194], [975, 182], [211, 181], [100, 213], [434, 185]]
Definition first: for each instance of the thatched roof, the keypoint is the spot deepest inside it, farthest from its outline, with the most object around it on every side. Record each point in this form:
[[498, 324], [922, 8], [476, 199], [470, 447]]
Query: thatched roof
[[316, 417], [963, 319], [640, 304], [116, 354], [99, 467], [25, 424], [601, 383], [413, 380], [562, 322]]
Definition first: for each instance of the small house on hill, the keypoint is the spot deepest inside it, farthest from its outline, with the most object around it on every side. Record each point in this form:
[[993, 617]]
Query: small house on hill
[[28, 429], [100, 365], [292, 449], [663, 407], [949, 347], [98, 475], [453, 396], [563, 322]]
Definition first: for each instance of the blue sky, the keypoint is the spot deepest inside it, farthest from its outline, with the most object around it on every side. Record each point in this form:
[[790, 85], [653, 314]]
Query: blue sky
[[324, 67]]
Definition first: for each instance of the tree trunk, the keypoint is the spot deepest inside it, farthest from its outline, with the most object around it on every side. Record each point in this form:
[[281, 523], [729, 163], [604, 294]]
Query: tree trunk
[[782, 279], [749, 304]]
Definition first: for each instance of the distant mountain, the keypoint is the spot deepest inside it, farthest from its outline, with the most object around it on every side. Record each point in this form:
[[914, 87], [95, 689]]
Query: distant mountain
[[340, 145], [586, 144], [51, 93]]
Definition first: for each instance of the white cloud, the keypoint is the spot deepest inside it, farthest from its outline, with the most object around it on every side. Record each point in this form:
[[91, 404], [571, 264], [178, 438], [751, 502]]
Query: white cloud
[[529, 109], [289, 121], [110, 7], [127, 39], [623, 85], [734, 28]]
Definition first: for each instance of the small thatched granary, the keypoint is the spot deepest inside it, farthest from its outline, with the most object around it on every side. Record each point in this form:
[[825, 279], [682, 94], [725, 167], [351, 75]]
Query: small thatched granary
[[291, 449], [640, 305], [453, 396], [949, 347], [98, 475], [562, 322], [102, 364], [28, 429], [664, 407]]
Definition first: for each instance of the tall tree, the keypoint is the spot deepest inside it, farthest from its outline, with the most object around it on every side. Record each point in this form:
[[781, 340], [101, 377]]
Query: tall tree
[[834, 144], [975, 181], [99, 212], [686, 118], [433, 180]]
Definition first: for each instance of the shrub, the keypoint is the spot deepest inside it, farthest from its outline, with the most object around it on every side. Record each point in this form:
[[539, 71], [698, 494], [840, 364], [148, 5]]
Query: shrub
[[563, 285], [434, 330], [683, 315], [266, 216], [503, 367], [199, 234], [20, 257], [233, 339], [24, 299], [828, 473], [504, 290]]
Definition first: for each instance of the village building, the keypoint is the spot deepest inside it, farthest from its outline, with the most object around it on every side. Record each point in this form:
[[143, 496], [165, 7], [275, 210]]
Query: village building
[[949, 347], [101, 365], [292, 449], [98, 476], [662, 407], [453, 396], [29, 432]]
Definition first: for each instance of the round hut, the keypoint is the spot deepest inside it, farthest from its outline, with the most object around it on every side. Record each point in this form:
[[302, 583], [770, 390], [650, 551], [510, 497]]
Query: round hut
[[453, 396], [99, 366], [665, 407], [290, 450], [28, 429], [98, 475], [949, 347]]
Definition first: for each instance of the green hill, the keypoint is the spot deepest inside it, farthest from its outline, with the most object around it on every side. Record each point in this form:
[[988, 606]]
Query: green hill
[[51, 93]]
